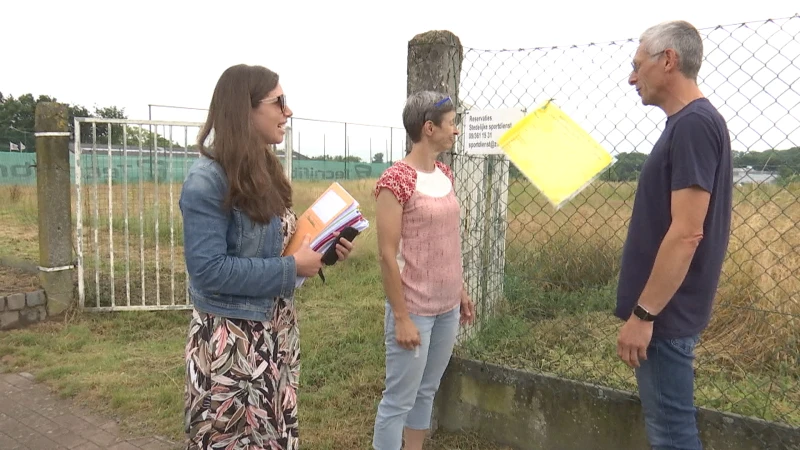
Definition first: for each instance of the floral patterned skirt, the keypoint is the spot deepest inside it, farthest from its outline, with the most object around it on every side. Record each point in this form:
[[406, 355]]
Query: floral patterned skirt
[[241, 382]]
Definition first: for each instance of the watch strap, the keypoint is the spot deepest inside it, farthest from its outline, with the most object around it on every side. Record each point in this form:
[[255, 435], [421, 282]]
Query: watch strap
[[642, 313]]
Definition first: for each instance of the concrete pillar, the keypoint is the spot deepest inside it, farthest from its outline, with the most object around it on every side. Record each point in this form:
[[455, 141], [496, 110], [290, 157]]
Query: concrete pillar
[[434, 63], [55, 205]]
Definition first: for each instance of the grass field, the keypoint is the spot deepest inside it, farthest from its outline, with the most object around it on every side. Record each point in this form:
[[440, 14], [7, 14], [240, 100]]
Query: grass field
[[130, 364], [558, 294], [560, 280]]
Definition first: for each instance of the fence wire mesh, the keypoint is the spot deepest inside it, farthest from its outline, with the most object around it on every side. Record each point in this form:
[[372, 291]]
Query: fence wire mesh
[[545, 279], [326, 150], [128, 177]]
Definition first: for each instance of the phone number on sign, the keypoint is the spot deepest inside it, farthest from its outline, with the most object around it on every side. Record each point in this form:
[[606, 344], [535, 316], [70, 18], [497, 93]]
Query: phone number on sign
[[478, 135]]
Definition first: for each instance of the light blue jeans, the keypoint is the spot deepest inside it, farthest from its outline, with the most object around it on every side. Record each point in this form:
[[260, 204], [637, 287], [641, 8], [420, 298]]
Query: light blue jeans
[[412, 378], [666, 388]]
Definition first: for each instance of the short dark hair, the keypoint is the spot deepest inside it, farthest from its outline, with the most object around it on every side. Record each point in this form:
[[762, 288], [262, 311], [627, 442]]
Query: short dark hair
[[422, 107]]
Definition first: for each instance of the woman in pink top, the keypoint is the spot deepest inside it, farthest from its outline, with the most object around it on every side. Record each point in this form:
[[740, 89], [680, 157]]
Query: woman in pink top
[[420, 251]]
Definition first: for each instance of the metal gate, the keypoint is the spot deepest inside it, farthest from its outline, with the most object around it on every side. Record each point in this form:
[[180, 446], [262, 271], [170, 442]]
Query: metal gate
[[128, 240]]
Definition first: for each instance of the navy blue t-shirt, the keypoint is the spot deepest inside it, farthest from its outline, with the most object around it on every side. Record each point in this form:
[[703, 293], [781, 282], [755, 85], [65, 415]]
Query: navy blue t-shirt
[[694, 149]]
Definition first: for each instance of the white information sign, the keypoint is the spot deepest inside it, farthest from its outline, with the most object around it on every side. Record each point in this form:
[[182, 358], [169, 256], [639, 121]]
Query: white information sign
[[483, 128]]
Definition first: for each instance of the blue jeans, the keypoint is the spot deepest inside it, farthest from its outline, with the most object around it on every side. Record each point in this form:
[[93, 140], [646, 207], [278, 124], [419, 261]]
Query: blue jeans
[[666, 388], [413, 376]]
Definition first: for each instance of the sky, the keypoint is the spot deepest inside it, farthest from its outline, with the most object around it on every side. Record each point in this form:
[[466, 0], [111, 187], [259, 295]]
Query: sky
[[338, 61]]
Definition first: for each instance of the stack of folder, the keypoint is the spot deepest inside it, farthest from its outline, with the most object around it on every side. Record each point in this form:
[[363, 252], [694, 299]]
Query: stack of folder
[[332, 212]]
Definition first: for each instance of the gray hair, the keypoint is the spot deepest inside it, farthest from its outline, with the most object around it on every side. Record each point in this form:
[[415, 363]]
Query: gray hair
[[680, 36], [422, 107]]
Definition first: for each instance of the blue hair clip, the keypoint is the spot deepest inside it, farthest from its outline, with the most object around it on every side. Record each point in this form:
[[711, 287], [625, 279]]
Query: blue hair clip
[[442, 101]]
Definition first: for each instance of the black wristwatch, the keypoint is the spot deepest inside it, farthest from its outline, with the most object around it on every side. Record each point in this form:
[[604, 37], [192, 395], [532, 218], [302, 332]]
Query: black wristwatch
[[643, 314]]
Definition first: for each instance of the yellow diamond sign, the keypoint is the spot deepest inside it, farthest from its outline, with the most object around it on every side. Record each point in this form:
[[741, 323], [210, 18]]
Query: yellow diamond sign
[[558, 157]]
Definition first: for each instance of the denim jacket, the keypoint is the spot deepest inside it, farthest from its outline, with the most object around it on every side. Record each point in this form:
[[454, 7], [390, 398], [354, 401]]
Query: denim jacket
[[235, 265]]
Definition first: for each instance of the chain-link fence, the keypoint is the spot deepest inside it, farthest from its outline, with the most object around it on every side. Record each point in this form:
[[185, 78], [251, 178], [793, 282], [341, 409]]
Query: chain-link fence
[[546, 279], [16, 140], [327, 150]]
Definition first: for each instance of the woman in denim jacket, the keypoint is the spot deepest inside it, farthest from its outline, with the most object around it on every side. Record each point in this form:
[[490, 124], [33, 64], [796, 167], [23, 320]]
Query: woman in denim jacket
[[242, 351]]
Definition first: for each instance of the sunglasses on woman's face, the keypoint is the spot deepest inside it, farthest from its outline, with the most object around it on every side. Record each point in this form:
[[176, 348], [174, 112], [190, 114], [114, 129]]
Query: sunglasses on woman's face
[[281, 99]]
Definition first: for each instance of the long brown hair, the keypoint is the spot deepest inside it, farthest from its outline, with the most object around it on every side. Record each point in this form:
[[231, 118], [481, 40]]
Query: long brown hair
[[256, 182]]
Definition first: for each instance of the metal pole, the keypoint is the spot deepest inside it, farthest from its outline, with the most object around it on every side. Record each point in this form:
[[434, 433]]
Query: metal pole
[[150, 128], [288, 145], [345, 151], [289, 151]]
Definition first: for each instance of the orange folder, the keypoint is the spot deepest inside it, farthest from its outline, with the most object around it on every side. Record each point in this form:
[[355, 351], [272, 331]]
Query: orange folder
[[322, 216]]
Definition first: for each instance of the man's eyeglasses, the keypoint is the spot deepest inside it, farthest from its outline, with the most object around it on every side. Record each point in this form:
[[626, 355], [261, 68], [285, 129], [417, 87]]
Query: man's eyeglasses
[[635, 67], [281, 99]]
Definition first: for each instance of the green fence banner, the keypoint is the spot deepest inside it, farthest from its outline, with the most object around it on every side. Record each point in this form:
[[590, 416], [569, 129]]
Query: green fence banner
[[20, 168]]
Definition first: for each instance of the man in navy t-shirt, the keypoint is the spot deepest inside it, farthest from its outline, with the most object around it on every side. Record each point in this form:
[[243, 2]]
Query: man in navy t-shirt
[[678, 234]]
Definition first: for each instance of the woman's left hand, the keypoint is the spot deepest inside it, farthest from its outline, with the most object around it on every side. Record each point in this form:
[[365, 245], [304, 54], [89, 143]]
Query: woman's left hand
[[467, 309], [343, 248]]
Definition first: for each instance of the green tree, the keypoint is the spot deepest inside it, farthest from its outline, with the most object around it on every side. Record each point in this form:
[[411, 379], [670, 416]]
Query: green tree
[[785, 162], [79, 111], [19, 112], [627, 167], [109, 112], [17, 118], [377, 157]]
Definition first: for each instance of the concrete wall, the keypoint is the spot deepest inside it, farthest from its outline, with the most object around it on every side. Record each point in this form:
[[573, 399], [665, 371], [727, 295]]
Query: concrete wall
[[24, 308], [536, 412]]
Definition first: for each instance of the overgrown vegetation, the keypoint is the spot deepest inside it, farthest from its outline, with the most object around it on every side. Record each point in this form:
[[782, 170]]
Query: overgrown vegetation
[[559, 295], [559, 292], [130, 364]]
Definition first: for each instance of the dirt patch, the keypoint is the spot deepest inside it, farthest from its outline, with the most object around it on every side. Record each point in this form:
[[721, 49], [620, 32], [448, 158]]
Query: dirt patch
[[15, 281]]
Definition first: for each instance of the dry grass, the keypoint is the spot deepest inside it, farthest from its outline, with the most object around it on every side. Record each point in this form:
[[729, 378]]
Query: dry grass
[[755, 321], [756, 316], [19, 235], [757, 307], [748, 357], [560, 289], [15, 281], [130, 364], [14, 193]]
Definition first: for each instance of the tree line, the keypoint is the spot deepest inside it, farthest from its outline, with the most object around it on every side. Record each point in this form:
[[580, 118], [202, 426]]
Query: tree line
[[786, 163], [17, 119]]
